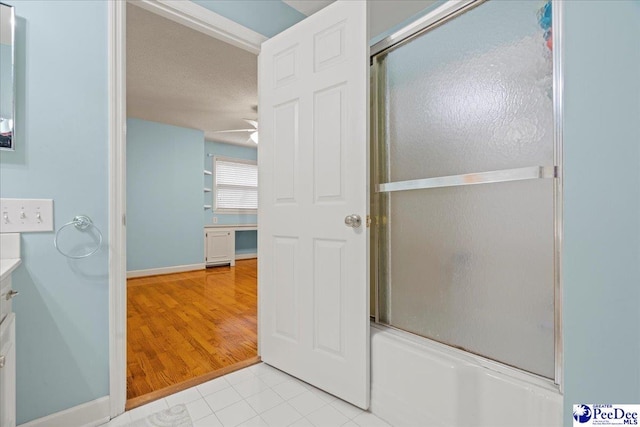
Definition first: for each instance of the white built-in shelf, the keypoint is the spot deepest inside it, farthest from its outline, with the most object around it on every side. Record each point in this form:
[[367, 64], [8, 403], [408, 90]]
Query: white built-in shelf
[[207, 207], [236, 227], [206, 172], [207, 190]]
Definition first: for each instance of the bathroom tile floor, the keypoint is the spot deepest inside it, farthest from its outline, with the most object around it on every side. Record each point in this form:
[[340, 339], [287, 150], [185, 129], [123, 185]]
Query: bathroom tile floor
[[258, 396]]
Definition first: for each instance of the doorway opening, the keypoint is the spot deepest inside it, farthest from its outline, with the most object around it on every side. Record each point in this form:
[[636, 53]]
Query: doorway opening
[[186, 324]]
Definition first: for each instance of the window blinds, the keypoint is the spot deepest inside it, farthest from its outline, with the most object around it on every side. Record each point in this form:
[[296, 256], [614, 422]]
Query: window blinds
[[236, 185]]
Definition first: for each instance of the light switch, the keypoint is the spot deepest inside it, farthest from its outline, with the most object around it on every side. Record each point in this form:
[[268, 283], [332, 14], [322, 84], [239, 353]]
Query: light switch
[[26, 215]]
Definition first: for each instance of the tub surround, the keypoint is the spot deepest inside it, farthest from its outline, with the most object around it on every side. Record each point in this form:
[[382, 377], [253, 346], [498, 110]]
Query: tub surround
[[415, 381]]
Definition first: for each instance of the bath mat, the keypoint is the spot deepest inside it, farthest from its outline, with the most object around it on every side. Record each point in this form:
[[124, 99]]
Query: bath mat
[[176, 416]]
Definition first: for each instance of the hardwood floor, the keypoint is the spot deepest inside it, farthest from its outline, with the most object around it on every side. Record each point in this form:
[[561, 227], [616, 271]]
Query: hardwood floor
[[188, 325]]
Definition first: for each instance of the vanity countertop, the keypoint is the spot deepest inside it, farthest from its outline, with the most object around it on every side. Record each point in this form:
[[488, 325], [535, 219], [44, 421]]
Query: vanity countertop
[[7, 266]]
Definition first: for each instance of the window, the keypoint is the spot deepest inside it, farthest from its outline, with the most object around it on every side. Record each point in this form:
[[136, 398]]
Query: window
[[236, 185]]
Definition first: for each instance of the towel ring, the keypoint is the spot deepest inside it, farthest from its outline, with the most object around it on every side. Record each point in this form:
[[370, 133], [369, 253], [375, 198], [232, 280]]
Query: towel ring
[[81, 222]]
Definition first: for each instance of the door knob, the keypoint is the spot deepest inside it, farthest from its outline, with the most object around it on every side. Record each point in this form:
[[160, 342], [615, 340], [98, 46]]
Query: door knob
[[11, 294], [353, 221]]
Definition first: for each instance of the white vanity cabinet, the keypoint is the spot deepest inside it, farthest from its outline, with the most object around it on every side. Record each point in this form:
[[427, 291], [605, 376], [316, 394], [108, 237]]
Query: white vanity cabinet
[[9, 261], [7, 346], [6, 292], [8, 371], [220, 246]]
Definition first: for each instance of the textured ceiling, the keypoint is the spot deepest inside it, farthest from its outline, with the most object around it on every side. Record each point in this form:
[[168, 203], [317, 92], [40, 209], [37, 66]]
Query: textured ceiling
[[181, 77], [178, 76]]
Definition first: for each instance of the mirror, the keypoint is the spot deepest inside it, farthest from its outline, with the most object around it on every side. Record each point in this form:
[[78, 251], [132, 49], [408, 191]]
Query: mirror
[[7, 77]]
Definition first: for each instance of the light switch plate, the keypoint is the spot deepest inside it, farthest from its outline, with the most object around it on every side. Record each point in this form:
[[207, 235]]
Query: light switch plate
[[26, 215]]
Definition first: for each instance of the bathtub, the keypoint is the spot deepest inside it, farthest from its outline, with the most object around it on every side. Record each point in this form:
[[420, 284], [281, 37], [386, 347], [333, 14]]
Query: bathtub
[[416, 382]]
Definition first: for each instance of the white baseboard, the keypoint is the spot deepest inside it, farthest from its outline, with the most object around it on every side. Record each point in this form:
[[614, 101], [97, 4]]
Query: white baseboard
[[246, 256], [164, 270], [88, 414]]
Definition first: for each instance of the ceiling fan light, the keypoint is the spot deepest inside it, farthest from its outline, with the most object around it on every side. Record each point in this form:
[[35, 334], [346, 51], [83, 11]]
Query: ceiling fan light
[[254, 137]]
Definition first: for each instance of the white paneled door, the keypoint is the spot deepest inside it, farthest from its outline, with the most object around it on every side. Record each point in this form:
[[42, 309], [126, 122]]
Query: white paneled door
[[313, 266]]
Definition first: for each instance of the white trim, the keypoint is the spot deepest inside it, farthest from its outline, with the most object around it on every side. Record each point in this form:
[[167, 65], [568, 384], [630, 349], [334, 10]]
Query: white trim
[[232, 159], [88, 414], [205, 21], [117, 208], [246, 256], [165, 270]]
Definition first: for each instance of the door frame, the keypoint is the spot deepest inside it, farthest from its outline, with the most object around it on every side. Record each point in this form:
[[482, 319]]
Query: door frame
[[199, 19]]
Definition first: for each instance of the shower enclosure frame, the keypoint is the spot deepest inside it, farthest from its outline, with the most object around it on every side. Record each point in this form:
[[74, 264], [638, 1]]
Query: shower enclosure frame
[[430, 21]]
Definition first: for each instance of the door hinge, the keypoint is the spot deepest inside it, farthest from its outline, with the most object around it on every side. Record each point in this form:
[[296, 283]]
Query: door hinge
[[124, 220], [368, 221]]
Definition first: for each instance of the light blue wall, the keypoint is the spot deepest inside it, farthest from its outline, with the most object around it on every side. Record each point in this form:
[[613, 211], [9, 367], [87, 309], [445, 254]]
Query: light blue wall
[[270, 17], [62, 310], [601, 260], [267, 17], [375, 38], [164, 195], [246, 241], [62, 327]]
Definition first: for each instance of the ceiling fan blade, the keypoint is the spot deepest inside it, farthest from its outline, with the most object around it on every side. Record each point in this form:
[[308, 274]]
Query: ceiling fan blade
[[233, 130], [252, 123], [253, 137]]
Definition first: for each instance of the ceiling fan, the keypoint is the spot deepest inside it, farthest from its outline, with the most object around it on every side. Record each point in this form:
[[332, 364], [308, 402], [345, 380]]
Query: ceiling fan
[[253, 132]]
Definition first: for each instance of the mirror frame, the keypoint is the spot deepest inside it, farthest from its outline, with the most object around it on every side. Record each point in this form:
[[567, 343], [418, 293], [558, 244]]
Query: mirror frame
[[12, 120]]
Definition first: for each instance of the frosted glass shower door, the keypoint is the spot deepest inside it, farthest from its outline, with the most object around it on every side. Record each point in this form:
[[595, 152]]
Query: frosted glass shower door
[[471, 266]]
